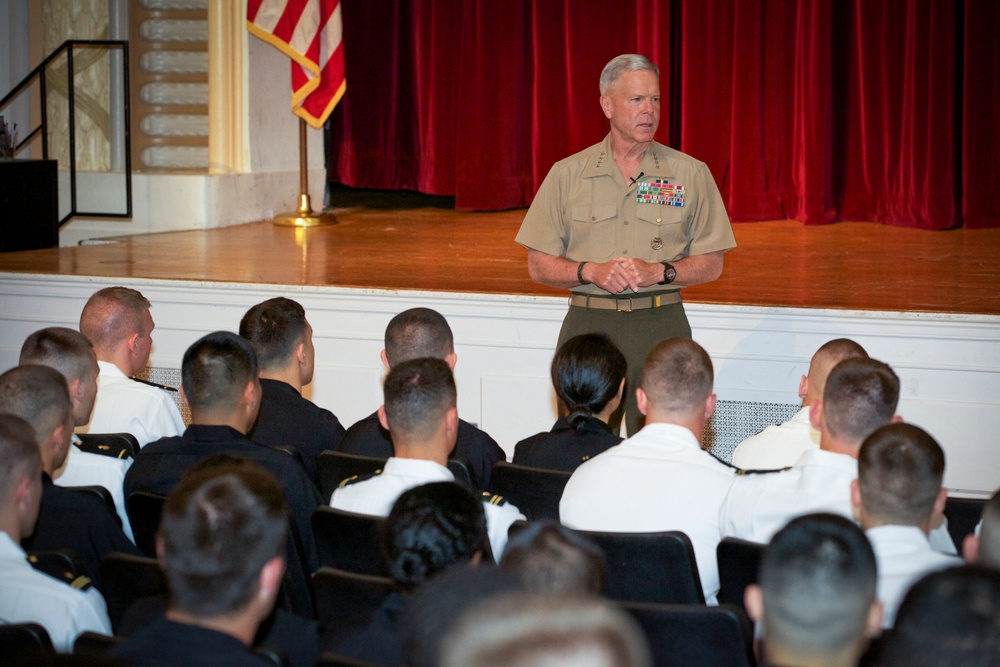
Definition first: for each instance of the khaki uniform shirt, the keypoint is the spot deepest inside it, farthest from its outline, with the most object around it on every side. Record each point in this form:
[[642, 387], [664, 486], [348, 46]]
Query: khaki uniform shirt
[[586, 211]]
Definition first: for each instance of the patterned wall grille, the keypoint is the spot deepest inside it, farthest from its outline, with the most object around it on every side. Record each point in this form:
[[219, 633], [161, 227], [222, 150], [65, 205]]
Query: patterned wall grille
[[168, 377], [734, 421]]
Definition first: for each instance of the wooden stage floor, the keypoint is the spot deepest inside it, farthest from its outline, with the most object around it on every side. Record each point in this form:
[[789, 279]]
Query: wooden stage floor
[[856, 266]]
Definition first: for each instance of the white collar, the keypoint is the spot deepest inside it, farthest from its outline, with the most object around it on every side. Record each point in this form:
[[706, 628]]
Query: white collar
[[11, 549], [417, 468], [109, 369]]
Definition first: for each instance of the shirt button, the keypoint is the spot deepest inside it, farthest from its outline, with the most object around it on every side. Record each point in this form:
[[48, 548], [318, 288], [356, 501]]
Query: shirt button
[[593, 218], [626, 222], [625, 252]]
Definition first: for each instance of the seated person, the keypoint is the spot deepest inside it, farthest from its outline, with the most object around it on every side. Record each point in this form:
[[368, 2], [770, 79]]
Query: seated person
[[70, 353], [548, 557], [983, 547], [416, 333], [430, 528], [26, 595], [219, 383], [816, 597], [283, 340], [588, 373], [221, 546], [117, 321], [420, 415], [67, 519]]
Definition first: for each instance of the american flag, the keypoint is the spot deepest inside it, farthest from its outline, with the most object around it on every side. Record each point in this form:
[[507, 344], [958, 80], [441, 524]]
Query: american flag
[[310, 33]]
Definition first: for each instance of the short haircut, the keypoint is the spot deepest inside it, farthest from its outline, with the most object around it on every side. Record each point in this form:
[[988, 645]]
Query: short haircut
[[677, 375], [950, 618], [66, 350], [220, 526], [818, 582], [549, 557], [19, 453], [113, 314], [586, 373], [38, 395], [430, 528], [417, 394], [531, 629], [900, 469], [216, 369], [627, 62], [274, 328], [415, 333], [860, 395], [829, 355], [989, 534]]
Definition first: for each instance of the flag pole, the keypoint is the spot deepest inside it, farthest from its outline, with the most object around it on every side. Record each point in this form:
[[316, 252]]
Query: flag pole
[[304, 216]]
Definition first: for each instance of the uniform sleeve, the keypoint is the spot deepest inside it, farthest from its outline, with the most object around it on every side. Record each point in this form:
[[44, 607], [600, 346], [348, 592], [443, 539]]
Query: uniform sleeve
[[709, 229], [86, 613], [543, 228], [165, 420], [499, 519]]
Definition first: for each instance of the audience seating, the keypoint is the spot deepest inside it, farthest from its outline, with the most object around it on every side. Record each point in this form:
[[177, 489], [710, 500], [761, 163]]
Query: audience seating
[[95, 645], [535, 491], [963, 514], [681, 635], [348, 541], [329, 659], [109, 444], [646, 567], [335, 467], [739, 562], [21, 640], [127, 579], [346, 598], [144, 510], [101, 494]]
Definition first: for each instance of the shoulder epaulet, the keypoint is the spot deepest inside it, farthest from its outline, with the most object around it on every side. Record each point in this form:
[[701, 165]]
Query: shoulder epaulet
[[354, 479], [57, 569], [762, 472], [82, 583], [494, 499], [164, 387], [105, 448], [723, 462]]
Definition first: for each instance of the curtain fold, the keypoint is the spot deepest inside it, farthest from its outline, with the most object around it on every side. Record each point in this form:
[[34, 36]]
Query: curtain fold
[[818, 111]]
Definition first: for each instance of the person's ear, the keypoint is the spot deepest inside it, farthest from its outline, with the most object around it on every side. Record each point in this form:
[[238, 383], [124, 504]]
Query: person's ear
[[641, 401], [753, 600], [250, 395], [816, 414], [270, 577], [384, 358], [160, 551], [451, 359], [970, 548], [300, 352], [940, 502], [607, 106], [22, 493], [896, 419], [451, 420], [873, 623], [382, 418], [621, 390], [804, 387], [710, 406], [75, 390], [133, 342], [184, 397], [856, 495]]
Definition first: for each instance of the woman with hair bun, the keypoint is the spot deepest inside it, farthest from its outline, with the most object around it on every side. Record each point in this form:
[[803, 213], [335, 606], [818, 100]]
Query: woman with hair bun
[[588, 373]]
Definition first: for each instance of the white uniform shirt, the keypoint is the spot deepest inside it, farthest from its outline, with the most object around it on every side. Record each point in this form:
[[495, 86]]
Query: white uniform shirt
[[903, 555], [87, 469], [28, 596], [378, 494], [657, 480], [777, 446], [126, 406]]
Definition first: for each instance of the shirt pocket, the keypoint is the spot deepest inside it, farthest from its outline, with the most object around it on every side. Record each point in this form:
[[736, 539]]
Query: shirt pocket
[[665, 227], [595, 227]]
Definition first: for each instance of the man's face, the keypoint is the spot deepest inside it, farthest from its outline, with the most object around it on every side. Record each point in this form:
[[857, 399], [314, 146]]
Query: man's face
[[310, 354], [88, 393], [144, 344], [632, 104]]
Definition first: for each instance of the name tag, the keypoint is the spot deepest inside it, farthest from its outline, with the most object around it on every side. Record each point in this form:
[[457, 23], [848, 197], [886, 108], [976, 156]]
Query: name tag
[[660, 191]]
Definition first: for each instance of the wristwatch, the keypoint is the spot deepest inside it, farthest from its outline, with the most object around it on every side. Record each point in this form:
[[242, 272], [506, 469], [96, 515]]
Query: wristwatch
[[669, 273]]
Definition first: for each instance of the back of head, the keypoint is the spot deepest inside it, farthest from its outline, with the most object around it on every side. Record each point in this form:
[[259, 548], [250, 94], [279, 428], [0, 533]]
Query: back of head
[[677, 376], [539, 630], [113, 314], [430, 528], [215, 371], [900, 469], [586, 373], [416, 333], [826, 357], [818, 583], [989, 534], [274, 328], [550, 558], [860, 395], [949, 618], [220, 526], [417, 394], [38, 395], [65, 350], [627, 62], [19, 453]]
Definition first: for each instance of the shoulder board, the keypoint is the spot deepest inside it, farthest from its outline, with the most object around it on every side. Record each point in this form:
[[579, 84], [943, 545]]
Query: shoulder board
[[493, 499], [154, 384], [762, 472], [56, 568], [354, 479], [723, 461], [82, 583], [105, 449]]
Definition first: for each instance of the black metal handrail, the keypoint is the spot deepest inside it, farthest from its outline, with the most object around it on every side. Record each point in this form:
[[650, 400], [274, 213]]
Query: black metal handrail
[[39, 73]]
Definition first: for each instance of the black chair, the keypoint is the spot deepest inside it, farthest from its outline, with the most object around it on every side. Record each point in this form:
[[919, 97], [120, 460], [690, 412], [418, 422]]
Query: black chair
[[335, 467], [116, 445], [144, 510], [347, 598], [681, 635], [739, 563], [102, 494], [535, 491], [348, 541], [963, 514], [20, 641], [646, 567], [95, 645], [127, 579], [330, 659]]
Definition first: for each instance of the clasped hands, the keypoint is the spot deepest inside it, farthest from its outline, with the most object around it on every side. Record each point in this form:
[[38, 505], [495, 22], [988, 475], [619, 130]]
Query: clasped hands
[[621, 273]]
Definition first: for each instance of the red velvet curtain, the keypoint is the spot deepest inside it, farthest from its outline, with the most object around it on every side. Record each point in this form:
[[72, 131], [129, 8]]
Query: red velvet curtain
[[818, 111]]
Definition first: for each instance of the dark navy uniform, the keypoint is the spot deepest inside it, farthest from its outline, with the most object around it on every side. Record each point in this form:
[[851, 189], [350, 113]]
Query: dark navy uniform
[[72, 520], [161, 465], [166, 643], [368, 438], [564, 448], [286, 418], [377, 641]]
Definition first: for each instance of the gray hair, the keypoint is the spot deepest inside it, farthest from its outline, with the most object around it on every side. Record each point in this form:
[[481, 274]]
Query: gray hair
[[627, 62]]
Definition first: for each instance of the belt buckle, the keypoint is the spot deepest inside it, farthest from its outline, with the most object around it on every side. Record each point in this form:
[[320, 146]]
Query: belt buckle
[[618, 305]]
